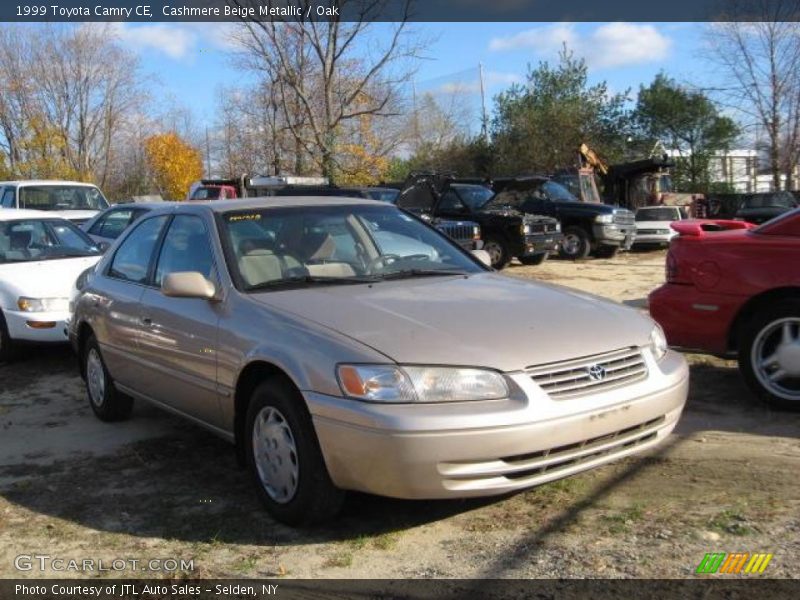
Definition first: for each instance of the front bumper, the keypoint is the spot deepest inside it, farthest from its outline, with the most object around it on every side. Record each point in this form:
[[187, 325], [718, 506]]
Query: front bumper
[[46, 327], [489, 448], [540, 243], [611, 234], [694, 319]]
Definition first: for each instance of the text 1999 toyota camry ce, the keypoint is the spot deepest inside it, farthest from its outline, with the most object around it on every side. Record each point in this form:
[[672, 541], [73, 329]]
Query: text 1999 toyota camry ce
[[286, 327]]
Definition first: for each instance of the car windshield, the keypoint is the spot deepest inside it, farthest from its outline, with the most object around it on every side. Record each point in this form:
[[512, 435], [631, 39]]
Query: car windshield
[[61, 197], [474, 196], [383, 194], [657, 214], [536, 190], [206, 193], [300, 246], [29, 240]]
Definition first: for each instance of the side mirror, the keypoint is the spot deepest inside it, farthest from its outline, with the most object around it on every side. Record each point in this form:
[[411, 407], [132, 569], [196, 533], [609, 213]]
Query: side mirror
[[483, 256], [189, 284]]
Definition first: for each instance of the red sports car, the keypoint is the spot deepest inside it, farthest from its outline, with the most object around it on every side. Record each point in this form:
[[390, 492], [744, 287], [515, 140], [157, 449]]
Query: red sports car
[[733, 289]]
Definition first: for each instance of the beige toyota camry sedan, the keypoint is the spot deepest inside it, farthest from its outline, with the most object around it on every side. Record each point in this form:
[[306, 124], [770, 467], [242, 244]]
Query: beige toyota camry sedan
[[346, 345]]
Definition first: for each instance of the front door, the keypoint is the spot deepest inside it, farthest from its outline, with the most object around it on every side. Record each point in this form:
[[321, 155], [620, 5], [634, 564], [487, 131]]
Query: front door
[[179, 335]]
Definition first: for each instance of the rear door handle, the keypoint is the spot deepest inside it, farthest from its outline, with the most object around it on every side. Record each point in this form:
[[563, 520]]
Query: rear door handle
[[147, 321]]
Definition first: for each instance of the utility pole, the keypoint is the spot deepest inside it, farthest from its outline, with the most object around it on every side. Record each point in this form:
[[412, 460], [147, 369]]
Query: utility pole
[[416, 115], [208, 155], [485, 117]]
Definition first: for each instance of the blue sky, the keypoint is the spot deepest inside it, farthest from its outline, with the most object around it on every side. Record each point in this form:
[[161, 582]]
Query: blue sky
[[188, 62]]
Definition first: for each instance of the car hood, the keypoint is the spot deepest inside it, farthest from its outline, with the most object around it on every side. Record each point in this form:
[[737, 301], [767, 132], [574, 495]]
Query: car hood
[[485, 320], [76, 216], [41, 279]]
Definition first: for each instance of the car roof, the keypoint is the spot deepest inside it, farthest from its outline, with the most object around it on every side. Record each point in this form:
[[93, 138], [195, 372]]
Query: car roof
[[223, 206], [129, 205], [16, 214], [47, 182]]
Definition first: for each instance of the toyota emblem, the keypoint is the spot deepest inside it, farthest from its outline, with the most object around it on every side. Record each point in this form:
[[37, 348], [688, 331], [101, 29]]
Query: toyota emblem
[[596, 372]]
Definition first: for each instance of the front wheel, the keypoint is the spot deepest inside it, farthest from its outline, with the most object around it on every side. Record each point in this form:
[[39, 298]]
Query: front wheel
[[576, 244], [498, 251], [769, 354], [106, 401], [534, 260], [285, 459]]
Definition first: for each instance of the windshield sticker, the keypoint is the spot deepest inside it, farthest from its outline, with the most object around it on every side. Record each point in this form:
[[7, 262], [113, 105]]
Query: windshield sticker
[[250, 217]]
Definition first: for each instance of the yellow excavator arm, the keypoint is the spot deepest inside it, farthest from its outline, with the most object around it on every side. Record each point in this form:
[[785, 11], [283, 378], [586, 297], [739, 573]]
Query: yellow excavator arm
[[593, 160]]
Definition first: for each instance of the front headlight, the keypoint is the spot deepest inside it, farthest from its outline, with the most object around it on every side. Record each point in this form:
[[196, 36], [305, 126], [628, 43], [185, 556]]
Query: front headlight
[[42, 304], [558, 226], [525, 229], [388, 383], [658, 342], [609, 218]]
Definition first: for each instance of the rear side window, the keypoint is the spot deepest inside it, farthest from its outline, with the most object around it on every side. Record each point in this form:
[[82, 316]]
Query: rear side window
[[9, 198], [132, 259], [186, 248]]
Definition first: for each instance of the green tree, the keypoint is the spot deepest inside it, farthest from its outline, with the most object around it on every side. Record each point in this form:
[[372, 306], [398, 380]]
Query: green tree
[[539, 125], [688, 122]]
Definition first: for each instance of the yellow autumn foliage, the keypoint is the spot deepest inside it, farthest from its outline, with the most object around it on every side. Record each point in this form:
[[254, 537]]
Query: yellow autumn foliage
[[174, 164]]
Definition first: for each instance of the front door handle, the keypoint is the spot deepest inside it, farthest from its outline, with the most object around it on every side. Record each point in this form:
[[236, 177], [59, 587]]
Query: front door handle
[[147, 321]]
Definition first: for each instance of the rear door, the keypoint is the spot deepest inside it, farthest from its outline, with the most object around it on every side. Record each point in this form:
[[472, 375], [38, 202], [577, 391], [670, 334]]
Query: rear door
[[179, 335], [116, 301]]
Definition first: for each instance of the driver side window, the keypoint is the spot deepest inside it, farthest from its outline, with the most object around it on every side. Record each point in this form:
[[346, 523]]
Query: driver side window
[[9, 198]]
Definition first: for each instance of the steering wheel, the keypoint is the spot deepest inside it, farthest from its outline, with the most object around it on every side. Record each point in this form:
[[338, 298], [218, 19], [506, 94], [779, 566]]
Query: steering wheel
[[383, 259]]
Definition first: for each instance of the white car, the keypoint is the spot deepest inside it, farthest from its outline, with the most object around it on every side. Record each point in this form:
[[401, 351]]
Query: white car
[[72, 200], [653, 224], [41, 256]]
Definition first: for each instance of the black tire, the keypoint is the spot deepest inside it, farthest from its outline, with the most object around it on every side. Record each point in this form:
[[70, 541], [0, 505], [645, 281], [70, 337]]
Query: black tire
[[534, 260], [7, 352], [106, 401], [761, 338], [498, 250], [307, 495], [606, 251], [576, 244]]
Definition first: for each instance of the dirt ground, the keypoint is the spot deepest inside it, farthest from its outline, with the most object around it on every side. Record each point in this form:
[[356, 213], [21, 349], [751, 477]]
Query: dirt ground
[[155, 487]]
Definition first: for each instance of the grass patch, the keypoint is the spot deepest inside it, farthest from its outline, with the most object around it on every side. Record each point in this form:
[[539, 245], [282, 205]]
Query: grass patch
[[245, 564], [731, 521], [386, 541], [342, 558], [620, 522]]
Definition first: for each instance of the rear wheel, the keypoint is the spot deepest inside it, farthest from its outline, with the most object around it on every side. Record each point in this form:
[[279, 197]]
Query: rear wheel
[[6, 345], [769, 354], [106, 402], [576, 244], [285, 459], [498, 251], [534, 260]]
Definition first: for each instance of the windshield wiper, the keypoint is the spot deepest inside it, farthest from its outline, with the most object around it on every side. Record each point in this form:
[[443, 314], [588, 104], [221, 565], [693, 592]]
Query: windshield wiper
[[310, 280], [409, 273]]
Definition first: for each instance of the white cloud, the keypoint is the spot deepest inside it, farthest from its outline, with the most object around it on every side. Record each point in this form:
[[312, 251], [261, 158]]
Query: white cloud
[[609, 45], [176, 40]]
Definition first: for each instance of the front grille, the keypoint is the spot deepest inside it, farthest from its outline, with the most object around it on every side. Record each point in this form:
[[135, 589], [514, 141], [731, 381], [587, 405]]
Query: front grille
[[652, 231], [457, 231], [552, 227], [536, 227], [624, 217], [572, 378]]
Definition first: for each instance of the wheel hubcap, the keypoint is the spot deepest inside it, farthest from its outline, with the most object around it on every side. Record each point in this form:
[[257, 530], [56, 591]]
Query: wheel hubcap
[[571, 243], [775, 357], [275, 455], [95, 377], [495, 253]]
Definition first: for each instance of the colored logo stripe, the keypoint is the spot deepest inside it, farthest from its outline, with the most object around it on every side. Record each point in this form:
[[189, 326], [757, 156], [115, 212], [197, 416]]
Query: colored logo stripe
[[733, 563]]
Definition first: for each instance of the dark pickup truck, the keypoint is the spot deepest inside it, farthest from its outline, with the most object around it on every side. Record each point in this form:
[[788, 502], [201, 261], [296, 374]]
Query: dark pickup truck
[[506, 233], [588, 227]]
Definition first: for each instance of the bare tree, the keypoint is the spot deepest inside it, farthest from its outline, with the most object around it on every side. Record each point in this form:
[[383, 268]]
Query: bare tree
[[762, 60], [68, 90], [327, 74]]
